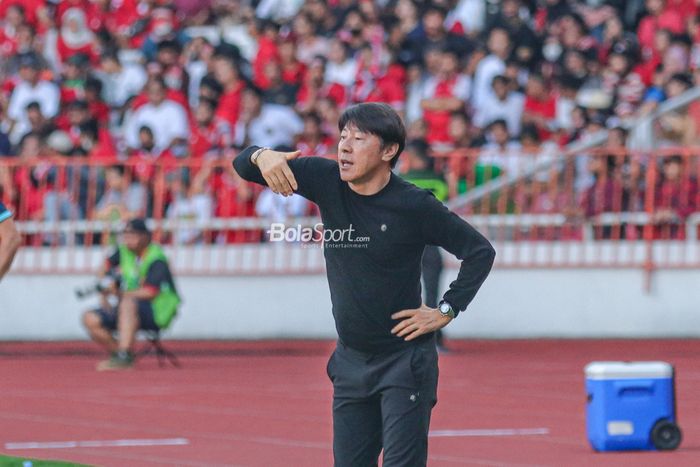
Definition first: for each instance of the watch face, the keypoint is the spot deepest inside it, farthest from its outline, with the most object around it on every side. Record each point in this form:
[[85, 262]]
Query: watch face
[[445, 308]]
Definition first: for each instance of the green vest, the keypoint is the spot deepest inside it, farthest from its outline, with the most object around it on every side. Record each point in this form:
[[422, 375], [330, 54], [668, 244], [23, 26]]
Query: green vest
[[165, 303], [428, 180]]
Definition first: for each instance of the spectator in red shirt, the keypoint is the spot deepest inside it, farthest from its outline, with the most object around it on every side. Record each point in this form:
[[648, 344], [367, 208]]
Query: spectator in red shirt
[[315, 88], [75, 36], [35, 12], [293, 71], [9, 26], [376, 81], [93, 96], [658, 17], [313, 141], [278, 91], [211, 135], [227, 74], [73, 78], [443, 94], [621, 80], [540, 106], [676, 198], [267, 51], [171, 68]]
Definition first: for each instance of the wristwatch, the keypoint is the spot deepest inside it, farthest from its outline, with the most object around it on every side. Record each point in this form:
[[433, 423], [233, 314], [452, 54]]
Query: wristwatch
[[255, 155], [446, 309]]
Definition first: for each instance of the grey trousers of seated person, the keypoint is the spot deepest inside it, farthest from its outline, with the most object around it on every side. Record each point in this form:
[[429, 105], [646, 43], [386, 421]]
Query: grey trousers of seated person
[[383, 401]]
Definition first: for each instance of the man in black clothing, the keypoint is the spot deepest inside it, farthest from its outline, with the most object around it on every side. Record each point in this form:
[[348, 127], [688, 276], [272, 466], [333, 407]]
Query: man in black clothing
[[376, 225]]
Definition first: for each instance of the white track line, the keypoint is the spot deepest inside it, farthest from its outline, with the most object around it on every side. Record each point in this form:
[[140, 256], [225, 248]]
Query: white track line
[[98, 444], [494, 432]]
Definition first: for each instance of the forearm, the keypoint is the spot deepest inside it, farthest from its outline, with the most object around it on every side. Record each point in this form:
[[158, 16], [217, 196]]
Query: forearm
[[142, 293], [448, 230], [246, 169], [476, 266]]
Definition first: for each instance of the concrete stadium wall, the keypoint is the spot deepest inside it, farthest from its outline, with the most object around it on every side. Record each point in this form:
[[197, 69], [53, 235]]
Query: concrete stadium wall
[[512, 303]]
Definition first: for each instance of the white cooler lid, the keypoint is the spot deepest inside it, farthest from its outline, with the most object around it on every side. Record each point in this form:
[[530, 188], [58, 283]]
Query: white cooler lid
[[628, 370]]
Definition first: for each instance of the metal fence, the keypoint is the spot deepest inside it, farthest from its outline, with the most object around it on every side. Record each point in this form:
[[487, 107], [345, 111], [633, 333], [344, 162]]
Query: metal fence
[[605, 207]]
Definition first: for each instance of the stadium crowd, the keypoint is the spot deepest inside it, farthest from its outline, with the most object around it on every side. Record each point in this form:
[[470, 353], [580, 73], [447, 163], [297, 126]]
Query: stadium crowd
[[143, 86]]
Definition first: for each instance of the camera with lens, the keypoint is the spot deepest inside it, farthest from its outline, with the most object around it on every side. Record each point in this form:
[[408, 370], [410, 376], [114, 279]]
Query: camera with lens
[[110, 281]]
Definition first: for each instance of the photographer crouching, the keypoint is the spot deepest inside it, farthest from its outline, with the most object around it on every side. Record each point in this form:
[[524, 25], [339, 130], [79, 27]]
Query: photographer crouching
[[146, 297]]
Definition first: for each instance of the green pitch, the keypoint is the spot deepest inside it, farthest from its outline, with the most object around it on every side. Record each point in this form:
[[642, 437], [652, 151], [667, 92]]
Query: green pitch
[[6, 461]]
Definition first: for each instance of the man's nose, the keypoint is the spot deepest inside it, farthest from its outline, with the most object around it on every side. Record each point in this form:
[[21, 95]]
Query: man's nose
[[345, 146]]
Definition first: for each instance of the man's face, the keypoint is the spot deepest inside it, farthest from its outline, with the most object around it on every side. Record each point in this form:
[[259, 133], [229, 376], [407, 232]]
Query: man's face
[[672, 170], [359, 154], [204, 114], [77, 115], [135, 241], [28, 73], [500, 89], [500, 134], [156, 93], [251, 103], [432, 23], [146, 139], [224, 71], [498, 42], [534, 88], [114, 179], [34, 116], [448, 64], [457, 128]]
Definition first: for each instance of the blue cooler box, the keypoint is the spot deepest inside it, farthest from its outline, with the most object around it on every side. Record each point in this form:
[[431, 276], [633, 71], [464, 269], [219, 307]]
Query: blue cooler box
[[631, 405]]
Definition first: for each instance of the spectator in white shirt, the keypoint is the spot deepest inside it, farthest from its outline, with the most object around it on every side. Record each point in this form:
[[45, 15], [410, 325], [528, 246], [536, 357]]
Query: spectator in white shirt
[[191, 203], [121, 82], [278, 208], [500, 152], [499, 45], [340, 68], [265, 125], [30, 89], [502, 103], [167, 119]]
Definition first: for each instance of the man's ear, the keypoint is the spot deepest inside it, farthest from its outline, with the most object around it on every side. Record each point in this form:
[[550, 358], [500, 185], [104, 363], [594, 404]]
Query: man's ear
[[389, 152]]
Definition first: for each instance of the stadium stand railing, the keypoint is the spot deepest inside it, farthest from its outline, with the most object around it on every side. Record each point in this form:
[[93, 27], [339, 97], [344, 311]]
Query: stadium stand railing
[[603, 207]]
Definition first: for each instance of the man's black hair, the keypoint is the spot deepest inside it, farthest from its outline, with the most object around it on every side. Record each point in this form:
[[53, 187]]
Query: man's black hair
[[683, 78], [529, 130], [315, 117], [110, 54], [255, 90], [420, 149], [93, 84], [211, 83], [33, 105], [90, 128], [500, 79], [377, 119], [673, 159], [169, 44], [146, 129], [498, 122], [211, 103], [434, 8], [119, 168]]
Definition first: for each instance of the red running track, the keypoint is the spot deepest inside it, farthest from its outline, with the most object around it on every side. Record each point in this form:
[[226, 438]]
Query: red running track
[[268, 403]]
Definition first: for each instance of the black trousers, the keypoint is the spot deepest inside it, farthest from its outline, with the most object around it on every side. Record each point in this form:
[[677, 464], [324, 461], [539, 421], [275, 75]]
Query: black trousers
[[383, 402]]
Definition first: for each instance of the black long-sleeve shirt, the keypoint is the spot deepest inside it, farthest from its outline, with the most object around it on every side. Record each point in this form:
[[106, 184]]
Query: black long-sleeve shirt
[[373, 248]]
